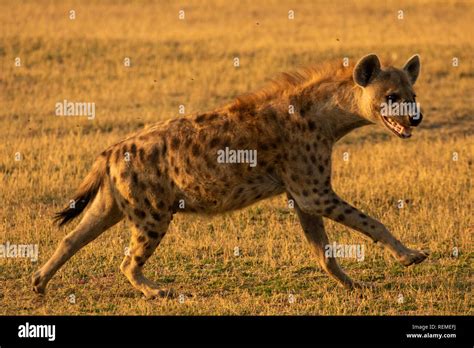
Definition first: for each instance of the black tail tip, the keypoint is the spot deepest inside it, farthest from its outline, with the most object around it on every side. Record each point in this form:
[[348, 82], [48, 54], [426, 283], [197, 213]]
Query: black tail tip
[[71, 212], [65, 216]]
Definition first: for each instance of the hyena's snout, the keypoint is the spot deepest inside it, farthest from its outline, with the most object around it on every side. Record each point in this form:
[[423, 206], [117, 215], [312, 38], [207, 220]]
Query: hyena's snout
[[416, 119]]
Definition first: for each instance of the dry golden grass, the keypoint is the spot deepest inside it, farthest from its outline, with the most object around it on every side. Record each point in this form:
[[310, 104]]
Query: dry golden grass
[[190, 62]]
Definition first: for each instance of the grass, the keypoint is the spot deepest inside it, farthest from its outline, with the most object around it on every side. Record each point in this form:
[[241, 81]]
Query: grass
[[190, 63]]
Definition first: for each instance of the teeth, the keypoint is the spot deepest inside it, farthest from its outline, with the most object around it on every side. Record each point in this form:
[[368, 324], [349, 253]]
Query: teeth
[[397, 127]]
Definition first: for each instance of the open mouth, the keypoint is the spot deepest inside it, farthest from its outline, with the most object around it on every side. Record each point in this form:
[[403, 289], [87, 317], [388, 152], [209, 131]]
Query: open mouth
[[395, 127]]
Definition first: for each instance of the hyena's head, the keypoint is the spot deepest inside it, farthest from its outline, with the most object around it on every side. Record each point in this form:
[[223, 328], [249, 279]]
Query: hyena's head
[[387, 96]]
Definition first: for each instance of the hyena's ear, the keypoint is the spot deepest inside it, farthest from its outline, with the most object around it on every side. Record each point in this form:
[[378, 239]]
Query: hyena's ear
[[366, 69], [412, 68]]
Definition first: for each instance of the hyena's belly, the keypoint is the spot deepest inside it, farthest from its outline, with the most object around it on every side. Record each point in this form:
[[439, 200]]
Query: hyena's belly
[[227, 190], [209, 199]]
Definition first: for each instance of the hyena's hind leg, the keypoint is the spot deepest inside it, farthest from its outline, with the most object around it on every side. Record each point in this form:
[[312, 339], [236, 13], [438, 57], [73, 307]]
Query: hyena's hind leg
[[313, 228], [146, 236], [102, 214]]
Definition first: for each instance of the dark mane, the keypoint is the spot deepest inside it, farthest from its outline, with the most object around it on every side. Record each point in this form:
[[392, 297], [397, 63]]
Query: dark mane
[[287, 83]]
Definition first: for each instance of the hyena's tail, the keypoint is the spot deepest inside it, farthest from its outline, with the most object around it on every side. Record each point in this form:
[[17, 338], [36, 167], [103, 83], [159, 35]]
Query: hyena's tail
[[84, 194]]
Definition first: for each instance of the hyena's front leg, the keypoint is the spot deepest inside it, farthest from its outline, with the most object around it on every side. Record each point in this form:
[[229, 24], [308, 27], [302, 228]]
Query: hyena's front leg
[[338, 210], [313, 228], [330, 205]]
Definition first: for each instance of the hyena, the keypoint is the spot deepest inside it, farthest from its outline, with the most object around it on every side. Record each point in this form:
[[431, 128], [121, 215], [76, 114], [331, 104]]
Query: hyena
[[293, 125]]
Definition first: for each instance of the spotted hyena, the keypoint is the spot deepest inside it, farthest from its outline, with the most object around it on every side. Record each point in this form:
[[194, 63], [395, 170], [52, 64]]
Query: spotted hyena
[[292, 124]]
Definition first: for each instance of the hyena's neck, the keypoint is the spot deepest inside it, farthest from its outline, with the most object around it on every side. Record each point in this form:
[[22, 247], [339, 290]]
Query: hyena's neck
[[333, 107]]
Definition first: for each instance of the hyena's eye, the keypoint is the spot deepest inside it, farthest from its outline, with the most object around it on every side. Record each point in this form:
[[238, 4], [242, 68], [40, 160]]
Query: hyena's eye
[[392, 97]]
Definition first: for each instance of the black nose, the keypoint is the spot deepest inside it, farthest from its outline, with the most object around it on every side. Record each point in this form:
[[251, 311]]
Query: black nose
[[416, 120]]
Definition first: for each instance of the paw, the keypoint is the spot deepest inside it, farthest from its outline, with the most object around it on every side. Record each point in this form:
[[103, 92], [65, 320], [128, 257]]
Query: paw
[[411, 257], [38, 285], [153, 293]]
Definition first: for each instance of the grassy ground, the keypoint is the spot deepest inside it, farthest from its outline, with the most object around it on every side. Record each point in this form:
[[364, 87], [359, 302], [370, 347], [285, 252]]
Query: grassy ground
[[190, 62]]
